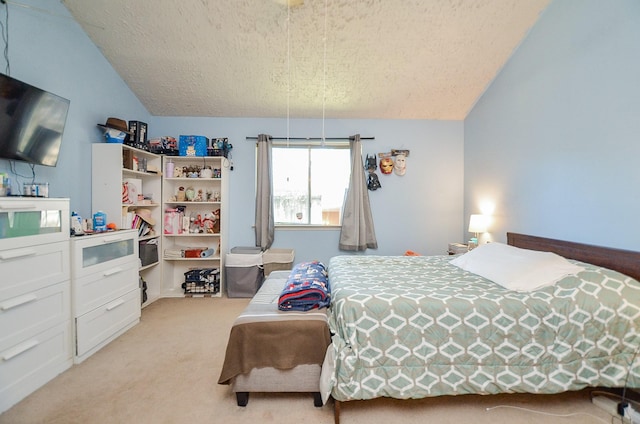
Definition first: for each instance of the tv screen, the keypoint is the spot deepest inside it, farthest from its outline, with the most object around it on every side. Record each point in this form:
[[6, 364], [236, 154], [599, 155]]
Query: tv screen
[[31, 122]]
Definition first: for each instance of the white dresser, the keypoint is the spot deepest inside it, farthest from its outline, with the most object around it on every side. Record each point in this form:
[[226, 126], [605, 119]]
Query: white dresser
[[105, 288], [36, 331]]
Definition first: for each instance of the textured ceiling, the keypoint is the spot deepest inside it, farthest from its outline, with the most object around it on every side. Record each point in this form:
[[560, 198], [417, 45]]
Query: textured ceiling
[[382, 59]]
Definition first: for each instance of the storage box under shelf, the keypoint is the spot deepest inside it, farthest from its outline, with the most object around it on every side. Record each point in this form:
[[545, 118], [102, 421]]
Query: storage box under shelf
[[201, 281]]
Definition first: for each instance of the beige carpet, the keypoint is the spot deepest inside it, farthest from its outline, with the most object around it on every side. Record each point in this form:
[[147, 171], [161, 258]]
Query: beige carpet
[[165, 370]]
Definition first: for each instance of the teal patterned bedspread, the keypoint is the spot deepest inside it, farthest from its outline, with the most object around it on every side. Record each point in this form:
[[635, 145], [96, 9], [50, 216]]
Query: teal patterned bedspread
[[413, 327]]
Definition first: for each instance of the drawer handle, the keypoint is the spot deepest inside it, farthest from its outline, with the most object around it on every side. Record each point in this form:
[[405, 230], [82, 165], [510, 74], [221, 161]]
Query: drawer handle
[[115, 304], [14, 303], [112, 239], [17, 254], [11, 353], [112, 271]]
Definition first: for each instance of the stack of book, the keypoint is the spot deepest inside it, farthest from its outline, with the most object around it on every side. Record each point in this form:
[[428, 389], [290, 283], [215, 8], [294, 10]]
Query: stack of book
[[143, 227]]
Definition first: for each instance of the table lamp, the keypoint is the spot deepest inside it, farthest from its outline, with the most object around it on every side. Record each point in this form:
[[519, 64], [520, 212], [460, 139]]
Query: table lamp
[[477, 224]]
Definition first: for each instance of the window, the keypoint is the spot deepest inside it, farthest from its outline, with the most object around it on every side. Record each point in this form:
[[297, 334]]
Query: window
[[309, 183]]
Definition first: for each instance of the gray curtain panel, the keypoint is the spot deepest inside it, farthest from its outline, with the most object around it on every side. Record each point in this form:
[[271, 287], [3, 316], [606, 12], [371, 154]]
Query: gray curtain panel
[[357, 233], [264, 201]]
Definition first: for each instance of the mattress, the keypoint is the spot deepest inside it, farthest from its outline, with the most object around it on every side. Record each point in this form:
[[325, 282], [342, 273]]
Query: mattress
[[413, 327]]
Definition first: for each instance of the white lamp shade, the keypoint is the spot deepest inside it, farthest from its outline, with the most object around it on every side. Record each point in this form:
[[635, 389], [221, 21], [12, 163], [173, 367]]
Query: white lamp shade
[[478, 224]]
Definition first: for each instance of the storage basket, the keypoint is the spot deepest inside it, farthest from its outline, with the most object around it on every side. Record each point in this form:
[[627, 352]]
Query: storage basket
[[201, 281], [148, 252], [243, 271], [277, 260]]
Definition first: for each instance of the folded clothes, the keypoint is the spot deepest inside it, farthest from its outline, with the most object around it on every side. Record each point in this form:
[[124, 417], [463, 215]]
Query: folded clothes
[[306, 288], [173, 253]]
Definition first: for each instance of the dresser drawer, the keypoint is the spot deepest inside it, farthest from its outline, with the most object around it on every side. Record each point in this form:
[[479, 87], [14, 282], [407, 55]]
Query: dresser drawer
[[30, 364], [26, 315], [99, 326], [101, 252], [28, 222], [27, 269], [99, 288]]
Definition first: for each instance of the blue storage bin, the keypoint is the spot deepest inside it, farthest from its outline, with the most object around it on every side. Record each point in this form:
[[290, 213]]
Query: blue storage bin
[[192, 145]]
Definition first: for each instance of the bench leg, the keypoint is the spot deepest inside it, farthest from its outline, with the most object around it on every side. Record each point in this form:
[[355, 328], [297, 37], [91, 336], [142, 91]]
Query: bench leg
[[317, 399], [242, 398]]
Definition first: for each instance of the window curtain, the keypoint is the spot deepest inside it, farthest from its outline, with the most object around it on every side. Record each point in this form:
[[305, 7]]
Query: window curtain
[[264, 202], [357, 233]]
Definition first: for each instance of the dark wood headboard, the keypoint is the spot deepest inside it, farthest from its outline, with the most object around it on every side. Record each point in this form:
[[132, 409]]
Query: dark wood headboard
[[624, 261]]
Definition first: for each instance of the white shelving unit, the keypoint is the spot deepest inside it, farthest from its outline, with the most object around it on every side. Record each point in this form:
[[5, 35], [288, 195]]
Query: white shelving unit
[[114, 164], [203, 200]]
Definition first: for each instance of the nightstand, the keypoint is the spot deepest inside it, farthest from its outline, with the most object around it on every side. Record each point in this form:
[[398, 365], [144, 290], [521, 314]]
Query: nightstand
[[457, 248]]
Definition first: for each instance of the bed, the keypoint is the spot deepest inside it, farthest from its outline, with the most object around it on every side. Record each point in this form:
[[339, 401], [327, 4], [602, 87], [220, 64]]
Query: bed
[[273, 351], [412, 327]]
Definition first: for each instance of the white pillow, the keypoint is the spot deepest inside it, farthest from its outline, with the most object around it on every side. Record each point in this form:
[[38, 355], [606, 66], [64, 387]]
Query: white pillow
[[515, 268]]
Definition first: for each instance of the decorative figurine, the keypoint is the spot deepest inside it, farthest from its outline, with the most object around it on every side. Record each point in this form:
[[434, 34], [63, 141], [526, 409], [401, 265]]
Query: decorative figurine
[[208, 222], [190, 194], [206, 172], [216, 224], [181, 196]]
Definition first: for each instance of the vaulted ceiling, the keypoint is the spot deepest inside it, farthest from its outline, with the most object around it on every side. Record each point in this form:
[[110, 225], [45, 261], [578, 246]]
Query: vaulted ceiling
[[377, 59]]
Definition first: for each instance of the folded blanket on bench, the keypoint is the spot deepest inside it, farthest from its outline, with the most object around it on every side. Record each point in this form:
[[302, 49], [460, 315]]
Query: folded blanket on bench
[[306, 288]]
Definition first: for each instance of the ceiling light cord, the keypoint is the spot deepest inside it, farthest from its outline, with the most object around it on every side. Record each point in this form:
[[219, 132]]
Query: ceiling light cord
[[324, 70], [288, 68]]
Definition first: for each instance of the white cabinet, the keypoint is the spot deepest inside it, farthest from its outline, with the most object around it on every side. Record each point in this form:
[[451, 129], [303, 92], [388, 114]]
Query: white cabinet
[[105, 289], [195, 200], [114, 167], [35, 309]]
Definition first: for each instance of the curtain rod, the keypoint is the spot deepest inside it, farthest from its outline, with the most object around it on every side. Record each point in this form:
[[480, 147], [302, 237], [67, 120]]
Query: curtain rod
[[312, 138]]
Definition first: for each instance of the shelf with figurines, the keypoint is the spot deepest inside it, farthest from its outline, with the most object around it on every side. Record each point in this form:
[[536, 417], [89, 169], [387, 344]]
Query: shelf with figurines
[[180, 222], [193, 205], [201, 228]]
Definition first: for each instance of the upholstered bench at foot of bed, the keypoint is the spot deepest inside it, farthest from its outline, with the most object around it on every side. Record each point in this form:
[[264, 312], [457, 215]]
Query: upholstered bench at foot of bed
[[292, 366], [301, 379]]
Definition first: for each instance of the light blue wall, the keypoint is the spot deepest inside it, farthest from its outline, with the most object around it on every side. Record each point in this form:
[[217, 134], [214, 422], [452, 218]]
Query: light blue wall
[[420, 211], [555, 140], [48, 49]]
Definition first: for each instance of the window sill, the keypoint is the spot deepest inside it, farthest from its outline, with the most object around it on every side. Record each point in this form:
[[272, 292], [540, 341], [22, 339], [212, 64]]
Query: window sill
[[302, 227]]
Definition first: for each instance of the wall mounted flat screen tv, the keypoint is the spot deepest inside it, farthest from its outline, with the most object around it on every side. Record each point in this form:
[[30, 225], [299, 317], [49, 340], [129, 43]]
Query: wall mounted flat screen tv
[[31, 122]]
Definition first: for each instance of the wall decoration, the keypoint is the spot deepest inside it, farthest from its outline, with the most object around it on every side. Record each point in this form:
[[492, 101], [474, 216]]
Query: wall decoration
[[400, 162], [393, 161], [373, 183], [386, 163]]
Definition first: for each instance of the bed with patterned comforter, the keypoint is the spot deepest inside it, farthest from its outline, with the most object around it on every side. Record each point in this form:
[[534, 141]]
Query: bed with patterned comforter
[[413, 327]]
